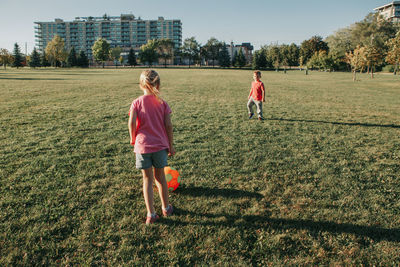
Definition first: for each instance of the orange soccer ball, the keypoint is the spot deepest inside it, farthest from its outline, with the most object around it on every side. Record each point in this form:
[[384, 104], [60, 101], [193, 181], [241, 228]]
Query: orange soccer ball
[[172, 177]]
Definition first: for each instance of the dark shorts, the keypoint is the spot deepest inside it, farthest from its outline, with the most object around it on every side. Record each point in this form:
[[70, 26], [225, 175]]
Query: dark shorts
[[157, 159]]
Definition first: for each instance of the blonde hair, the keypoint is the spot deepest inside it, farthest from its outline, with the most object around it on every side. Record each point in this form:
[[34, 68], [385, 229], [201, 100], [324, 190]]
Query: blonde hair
[[150, 81]]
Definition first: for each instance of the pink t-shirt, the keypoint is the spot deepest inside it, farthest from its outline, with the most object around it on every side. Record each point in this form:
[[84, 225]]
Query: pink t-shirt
[[151, 135]]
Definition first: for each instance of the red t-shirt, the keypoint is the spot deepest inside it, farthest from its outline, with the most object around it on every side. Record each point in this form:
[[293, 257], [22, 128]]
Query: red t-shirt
[[151, 135], [257, 88]]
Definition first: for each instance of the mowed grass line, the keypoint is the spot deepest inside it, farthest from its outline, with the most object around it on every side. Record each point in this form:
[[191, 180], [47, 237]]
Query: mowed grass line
[[315, 183]]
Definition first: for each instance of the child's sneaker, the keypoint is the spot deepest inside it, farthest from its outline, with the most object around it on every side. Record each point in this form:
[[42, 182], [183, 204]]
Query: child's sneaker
[[152, 219], [168, 211], [251, 115], [260, 118]]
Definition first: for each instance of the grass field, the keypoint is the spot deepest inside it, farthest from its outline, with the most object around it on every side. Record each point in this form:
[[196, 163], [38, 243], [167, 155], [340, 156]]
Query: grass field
[[316, 183]]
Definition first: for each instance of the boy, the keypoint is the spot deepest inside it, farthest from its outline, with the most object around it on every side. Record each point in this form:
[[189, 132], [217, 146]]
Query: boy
[[256, 96]]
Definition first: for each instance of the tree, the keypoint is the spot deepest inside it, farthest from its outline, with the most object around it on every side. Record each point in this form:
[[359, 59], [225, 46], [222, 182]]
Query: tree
[[338, 61], [234, 58], [35, 59], [5, 57], [223, 58], [240, 60], [284, 55], [313, 62], [259, 60], [43, 60], [373, 31], [310, 46], [357, 59], [321, 60], [293, 55], [115, 54], [393, 55], [132, 58], [341, 42], [101, 50], [17, 57], [83, 61], [55, 51], [301, 62], [72, 60], [373, 27], [212, 48], [190, 49], [374, 57], [165, 49], [274, 56], [204, 55], [148, 52], [121, 60]]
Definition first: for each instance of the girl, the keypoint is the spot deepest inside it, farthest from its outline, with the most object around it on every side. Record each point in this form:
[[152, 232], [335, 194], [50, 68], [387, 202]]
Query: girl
[[150, 130]]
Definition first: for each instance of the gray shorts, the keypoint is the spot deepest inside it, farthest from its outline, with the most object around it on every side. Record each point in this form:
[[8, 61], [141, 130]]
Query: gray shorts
[[157, 159]]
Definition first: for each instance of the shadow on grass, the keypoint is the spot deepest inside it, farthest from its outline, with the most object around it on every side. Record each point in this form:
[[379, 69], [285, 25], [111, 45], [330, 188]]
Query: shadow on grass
[[32, 79], [339, 123], [264, 221], [223, 192]]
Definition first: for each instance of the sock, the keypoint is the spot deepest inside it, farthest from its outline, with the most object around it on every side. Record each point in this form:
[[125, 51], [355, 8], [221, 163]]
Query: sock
[[167, 209]]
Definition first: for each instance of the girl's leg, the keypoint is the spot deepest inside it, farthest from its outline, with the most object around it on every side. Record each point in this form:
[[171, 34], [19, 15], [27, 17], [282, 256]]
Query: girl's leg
[[162, 186], [148, 190]]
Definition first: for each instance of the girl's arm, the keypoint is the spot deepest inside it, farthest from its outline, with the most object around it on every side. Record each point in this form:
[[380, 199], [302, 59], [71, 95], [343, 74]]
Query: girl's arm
[[168, 128], [132, 126]]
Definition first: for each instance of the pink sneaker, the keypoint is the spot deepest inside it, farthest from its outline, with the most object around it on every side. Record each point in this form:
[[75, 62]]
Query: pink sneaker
[[151, 219], [168, 212]]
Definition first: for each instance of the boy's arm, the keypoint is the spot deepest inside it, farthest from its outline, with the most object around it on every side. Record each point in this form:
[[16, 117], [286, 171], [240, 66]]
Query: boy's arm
[[132, 126], [263, 92], [170, 134]]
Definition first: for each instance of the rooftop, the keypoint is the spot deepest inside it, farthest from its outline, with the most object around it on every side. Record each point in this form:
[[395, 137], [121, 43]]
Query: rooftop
[[105, 17], [387, 5]]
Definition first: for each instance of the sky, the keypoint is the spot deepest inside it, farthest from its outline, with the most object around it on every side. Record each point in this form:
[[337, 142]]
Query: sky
[[260, 22]]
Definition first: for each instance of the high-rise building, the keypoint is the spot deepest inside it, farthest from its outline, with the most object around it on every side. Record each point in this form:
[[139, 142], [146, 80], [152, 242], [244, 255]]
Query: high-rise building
[[390, 12], [125, 31]]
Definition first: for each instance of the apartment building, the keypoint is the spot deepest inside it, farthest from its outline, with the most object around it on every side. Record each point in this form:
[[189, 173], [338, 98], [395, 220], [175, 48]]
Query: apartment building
[[390, 12], [247, 50], [125, 31]]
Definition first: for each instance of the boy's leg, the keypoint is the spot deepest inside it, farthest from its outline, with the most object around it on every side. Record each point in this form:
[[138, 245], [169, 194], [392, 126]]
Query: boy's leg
[[148, 190], [250, 104], [259, 108], [162, 186]]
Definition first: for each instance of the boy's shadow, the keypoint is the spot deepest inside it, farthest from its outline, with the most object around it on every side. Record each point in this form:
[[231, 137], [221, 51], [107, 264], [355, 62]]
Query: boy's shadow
[[264, 221], [339, 123]]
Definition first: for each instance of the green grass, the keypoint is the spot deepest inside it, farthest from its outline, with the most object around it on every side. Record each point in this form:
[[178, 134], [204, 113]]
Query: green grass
[[316, 183]]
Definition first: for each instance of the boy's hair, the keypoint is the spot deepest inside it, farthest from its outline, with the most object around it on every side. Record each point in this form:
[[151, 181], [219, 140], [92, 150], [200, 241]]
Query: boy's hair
[[150, 81], [258, 73]]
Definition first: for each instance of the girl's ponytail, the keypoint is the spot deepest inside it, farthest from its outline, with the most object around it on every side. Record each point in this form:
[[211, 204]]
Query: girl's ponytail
[[150, 81]]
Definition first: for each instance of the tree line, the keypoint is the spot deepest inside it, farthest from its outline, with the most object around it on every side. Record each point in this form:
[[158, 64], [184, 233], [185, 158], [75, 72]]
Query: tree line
[[367, 46], [52, 56]]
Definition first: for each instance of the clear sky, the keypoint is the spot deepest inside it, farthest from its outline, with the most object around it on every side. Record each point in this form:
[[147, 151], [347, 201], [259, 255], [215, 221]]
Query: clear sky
[[258, 21]]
